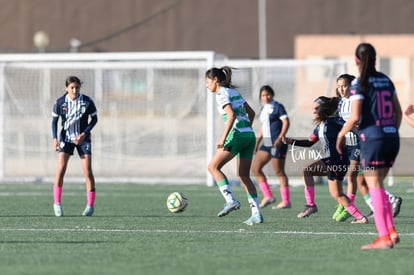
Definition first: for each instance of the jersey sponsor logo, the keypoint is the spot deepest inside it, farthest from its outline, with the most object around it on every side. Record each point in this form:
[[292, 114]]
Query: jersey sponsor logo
[[389, 130]]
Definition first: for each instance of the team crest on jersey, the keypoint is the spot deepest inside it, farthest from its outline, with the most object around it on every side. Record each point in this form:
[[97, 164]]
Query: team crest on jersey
[[64, 109]]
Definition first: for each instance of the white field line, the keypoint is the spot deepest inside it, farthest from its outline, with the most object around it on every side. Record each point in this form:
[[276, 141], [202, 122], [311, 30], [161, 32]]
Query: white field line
[[161, 231]]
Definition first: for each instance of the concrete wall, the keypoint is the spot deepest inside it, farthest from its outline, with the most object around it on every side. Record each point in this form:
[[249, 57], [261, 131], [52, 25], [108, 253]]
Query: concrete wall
[[226, 26]]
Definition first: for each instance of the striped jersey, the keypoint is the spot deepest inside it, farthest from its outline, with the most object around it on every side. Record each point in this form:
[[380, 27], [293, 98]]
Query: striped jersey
[[344, 111], [271, 115], [327, 132], [230, 96], [74, 115]]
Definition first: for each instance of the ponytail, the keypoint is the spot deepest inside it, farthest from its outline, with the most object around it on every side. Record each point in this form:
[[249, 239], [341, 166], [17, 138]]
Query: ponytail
[[223, 76], [365, 56]]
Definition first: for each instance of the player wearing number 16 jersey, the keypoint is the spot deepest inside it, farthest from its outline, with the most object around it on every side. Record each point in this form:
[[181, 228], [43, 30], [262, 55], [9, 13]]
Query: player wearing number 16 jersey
[[376, 110]]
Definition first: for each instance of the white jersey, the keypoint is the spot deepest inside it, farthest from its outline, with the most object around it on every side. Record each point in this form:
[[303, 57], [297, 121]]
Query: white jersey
[[231, 96], [271, 116], [344, 111]]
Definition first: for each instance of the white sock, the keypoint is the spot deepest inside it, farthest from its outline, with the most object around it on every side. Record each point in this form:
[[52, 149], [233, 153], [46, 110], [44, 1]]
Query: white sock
[[227, 193], [368, 201], [391, 197], [254, 206]]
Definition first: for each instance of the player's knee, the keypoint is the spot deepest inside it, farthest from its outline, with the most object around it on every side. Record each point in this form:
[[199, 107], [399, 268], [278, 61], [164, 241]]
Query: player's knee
[[256, 170]]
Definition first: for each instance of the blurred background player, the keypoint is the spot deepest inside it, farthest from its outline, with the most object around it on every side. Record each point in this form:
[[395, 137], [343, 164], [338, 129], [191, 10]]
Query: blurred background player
[[275, 124], [333, 165], [407, 116], [238, 139], [74, 109], [355, 177], [376, 111], [407, 113]]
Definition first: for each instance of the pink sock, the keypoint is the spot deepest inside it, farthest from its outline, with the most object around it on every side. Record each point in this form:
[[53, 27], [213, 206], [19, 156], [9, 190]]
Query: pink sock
[[388, 212], [310, 195], [57, 194], [351, 197], [90, 196], [380, 208], [285, 194], [265, 188], [351, 208]]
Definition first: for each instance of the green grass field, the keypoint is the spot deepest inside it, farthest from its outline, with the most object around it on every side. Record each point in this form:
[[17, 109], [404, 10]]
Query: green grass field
[[132, 232]]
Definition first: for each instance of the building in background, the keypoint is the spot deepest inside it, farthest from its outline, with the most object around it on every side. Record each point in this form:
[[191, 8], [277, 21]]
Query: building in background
[[306, 30], [229, 27]]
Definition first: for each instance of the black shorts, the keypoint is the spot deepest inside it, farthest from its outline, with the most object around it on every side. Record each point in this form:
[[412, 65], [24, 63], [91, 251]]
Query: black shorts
[[277, 153], [337, 167], [379, 152], [83, 149], [354, 153]]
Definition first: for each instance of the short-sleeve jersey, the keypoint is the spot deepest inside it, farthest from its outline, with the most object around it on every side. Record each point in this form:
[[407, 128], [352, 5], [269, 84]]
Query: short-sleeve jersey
[[230, 96], [327, 132], [271, 116], [74, 115], [377, 117], [344, 111]]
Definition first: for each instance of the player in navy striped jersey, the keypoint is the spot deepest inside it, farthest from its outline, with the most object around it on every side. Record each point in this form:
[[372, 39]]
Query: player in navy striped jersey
[[275, 123], [78, 116], [237, 140], [355, 174], [352, 145], [376, 110], [332, 164]]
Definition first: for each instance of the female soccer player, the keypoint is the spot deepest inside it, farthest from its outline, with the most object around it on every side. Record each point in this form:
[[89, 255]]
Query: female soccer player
[[355, 175], [343, 83], [376, 110], [332, 164], [74, 109], [238, 139], [275, 123]]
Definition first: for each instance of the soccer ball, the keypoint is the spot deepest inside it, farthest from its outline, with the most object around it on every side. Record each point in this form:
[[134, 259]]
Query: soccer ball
[[177, 202]]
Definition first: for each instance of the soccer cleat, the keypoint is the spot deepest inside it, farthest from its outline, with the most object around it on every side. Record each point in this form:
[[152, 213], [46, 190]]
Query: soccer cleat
[[88, 211], [256, 219], [361, 220], [343, 216], [370, 215], [228, 207], [267, 201], [396, 206], [379, 244], [309, 210], [282, 205], [58, 210], [395, 238], [339, 209]]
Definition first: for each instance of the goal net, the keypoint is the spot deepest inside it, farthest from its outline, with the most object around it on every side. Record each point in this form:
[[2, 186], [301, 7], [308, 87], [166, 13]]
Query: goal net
[[156, 120], [297, 83]]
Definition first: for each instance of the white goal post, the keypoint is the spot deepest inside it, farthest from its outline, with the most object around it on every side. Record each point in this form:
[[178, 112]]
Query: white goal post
[[152, 114]]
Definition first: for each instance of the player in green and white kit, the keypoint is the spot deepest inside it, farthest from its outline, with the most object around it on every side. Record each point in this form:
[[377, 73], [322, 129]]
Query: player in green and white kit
[[238, 139]]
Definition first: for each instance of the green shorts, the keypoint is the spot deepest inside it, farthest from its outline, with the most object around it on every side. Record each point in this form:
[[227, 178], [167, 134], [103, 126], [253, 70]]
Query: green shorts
[[241, 144]]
